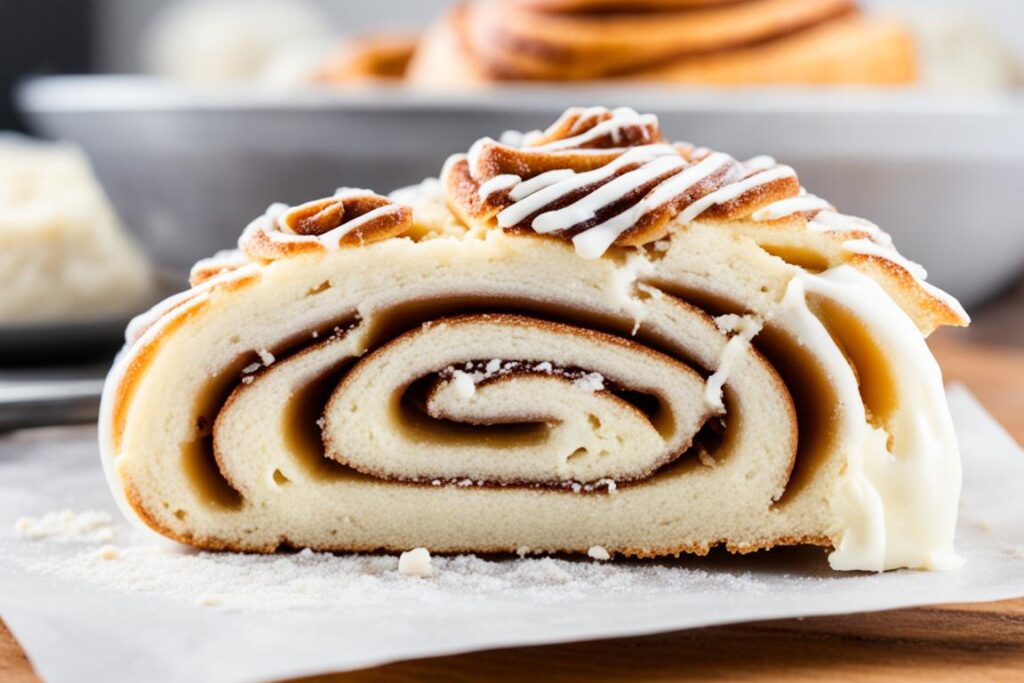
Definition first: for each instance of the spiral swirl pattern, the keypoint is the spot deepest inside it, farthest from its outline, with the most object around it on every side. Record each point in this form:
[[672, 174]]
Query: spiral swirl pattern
[[490, 390]]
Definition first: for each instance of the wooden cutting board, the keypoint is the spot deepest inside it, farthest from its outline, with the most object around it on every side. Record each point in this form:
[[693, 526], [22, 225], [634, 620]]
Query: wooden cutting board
[[946, 643]]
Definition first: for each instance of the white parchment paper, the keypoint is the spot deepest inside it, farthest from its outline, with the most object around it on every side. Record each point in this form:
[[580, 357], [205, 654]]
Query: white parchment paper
[[158, 613]]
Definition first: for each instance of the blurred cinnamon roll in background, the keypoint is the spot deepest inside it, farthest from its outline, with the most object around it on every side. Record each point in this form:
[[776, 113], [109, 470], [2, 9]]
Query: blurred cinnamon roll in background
[[698, 42], [682, 41], [369, 58]]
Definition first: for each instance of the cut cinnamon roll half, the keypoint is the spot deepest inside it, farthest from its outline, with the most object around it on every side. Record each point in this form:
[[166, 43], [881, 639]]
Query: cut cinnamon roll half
[[684, 41], [592, 337]]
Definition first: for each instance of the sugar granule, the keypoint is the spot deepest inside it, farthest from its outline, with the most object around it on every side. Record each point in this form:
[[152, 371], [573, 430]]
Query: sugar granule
[[210, 600], [108, 552], [66, 526], [311, 580], [592, 381]]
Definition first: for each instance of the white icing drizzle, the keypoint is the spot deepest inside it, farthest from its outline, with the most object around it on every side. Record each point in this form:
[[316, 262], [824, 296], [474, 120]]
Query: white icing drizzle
[[473, 155], [638, 166], [594, 242], [871, 248], [528, 187], [832, 221], [332, 238], [585, 116], [681, 183], [761, 162], [897, 508], [274, 224], [517, 212], [653, 161], [586, 208], [733, 191], [622, 117], [498, 183], [615, 180], [802, 203]]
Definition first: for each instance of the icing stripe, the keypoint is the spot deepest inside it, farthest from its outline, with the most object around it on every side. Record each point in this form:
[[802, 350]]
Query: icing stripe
[[788, 207]]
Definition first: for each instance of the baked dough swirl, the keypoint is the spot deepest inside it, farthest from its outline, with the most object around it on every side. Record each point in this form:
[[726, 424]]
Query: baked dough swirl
[[683, 41], [369, 373]]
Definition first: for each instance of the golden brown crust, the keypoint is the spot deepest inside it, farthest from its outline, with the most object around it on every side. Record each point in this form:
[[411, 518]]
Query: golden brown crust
[[934, 311], [144, 349], [578, 122], [350, 218], [611, 6], [516, 42], [849, 49], [697, 549], [222, 264]]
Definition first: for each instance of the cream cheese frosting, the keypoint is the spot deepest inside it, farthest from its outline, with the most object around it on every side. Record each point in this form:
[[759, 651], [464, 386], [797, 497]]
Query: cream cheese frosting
[[897, 502]]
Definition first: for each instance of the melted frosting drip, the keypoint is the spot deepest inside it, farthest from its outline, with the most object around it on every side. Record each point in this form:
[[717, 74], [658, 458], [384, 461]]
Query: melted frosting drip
[[897, 498]]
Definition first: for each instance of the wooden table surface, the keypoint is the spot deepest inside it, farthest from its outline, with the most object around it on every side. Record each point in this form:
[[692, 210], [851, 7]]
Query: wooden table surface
[[945, 643]]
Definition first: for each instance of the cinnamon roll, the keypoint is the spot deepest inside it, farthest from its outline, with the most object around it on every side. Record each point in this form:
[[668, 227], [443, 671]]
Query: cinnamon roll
[[587, 336], [383, 57], [682, 41]]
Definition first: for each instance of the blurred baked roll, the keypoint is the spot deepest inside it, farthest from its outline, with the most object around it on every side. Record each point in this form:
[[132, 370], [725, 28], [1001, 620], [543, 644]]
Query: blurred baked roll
[[681, 41], [591, 337], [380, 57], [63, 253]]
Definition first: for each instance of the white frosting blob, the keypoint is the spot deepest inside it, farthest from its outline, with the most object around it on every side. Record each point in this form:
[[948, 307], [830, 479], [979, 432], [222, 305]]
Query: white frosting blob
[[415, 562], [745, 328], [464, 384], [898, 506]]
